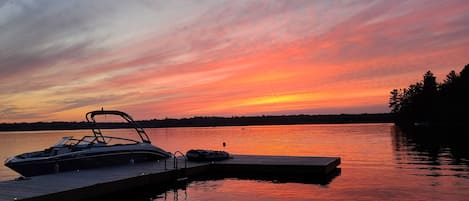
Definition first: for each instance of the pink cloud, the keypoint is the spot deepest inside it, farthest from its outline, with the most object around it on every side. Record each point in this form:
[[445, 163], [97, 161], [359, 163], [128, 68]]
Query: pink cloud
[[258, 57]]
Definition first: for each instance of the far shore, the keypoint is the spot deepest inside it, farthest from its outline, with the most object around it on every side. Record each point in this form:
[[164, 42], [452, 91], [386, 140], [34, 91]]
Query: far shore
[[210, 121]]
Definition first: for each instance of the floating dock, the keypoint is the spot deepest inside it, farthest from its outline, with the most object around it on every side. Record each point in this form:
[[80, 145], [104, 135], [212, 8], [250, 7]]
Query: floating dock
[[91, 183]]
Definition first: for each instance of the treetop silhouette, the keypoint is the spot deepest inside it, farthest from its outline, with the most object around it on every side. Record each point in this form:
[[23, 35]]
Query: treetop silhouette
[[429, 103]]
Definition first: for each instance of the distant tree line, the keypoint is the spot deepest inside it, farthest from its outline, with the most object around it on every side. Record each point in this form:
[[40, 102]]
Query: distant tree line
[[270, 120], [431, 104], [208, 121]]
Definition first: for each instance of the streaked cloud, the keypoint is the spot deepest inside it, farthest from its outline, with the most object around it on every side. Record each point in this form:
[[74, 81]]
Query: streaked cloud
[[154, 59]]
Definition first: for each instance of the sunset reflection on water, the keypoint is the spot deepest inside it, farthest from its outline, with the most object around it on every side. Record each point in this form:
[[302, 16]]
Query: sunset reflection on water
[[379, 162]]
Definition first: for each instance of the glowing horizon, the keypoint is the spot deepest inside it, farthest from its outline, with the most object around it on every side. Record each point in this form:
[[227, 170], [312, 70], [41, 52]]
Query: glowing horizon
[[157, 59]]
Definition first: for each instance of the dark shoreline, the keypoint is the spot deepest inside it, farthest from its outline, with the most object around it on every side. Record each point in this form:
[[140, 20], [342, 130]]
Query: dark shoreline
[[210, 121]]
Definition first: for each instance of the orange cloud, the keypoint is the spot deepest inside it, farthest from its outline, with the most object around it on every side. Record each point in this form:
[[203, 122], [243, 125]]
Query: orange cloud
[[237, 58]]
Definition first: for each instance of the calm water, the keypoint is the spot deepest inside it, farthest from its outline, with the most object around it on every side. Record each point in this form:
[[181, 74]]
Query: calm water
[[378, 161]]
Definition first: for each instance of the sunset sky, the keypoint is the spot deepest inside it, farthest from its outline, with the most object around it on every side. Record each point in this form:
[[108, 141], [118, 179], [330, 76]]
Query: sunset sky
[[156, 59]]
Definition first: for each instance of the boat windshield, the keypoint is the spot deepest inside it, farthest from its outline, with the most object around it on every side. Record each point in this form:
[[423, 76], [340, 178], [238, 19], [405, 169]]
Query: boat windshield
[[93, 140], [68, 140], [87, 140], [108, 141]]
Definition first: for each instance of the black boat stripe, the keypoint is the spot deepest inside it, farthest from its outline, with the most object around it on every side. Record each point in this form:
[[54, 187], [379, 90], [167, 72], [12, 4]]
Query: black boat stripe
[[92, 156]]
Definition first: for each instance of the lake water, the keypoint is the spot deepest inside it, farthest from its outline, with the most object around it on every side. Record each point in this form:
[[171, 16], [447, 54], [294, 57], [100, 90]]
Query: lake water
[[379, 162]]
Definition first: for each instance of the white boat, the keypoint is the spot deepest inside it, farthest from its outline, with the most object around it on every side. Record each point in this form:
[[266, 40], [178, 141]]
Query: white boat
[[70, 154]]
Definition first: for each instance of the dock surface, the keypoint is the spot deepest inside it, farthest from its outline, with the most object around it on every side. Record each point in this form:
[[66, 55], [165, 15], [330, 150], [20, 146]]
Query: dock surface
[[85, 184]]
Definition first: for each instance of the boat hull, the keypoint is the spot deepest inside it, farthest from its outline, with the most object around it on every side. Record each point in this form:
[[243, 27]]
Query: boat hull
[[83, 160]]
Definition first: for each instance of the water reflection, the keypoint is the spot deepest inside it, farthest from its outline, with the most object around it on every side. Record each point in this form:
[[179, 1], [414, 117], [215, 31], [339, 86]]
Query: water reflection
[[207, 184], [176, 191], [433, 153], [379, 162]]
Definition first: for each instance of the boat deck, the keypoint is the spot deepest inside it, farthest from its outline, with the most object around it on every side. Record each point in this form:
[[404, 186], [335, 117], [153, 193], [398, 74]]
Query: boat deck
[[85, 184]]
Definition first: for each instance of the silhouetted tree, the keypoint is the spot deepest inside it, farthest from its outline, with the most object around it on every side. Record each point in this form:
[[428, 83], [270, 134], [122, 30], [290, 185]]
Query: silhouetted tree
[[447, 96], [451, 79], [465, 73], [395, 100], [432, 103], [427, 99]]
